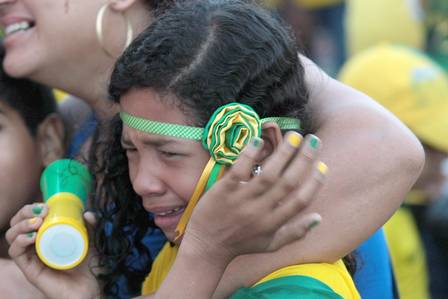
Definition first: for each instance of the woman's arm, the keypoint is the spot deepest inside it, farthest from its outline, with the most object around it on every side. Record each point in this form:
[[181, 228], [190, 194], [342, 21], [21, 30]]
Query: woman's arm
[[373, 160]]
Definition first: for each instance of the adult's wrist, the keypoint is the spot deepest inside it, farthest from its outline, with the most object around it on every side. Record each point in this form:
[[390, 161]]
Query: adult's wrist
[[197, 248]]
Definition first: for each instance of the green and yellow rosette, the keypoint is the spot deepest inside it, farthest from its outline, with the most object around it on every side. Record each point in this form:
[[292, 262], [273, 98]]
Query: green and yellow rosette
[[229, 130]]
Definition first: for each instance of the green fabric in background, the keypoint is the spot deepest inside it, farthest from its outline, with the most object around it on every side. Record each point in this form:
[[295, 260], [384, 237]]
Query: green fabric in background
[[288, 287]]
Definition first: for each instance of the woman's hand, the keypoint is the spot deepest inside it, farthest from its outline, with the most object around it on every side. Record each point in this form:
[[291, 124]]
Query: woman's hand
[[75, 283], [249, 214]]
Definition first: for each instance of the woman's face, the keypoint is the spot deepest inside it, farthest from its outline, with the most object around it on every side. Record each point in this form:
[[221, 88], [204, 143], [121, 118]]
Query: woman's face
[[163, 170], [44, 36], [20, 165]]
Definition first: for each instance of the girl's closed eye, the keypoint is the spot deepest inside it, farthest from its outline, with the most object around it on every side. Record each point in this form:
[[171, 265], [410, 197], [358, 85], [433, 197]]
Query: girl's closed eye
[[171, 154]]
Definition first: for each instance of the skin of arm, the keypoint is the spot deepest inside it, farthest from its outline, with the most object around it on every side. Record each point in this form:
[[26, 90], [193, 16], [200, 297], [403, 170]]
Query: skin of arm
[[11, 277], [195, 273], [373, 160]]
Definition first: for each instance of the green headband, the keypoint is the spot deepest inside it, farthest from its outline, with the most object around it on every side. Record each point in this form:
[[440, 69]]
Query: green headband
[[229, 129]]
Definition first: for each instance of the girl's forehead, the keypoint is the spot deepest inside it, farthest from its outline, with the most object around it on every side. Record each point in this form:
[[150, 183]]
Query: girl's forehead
[[130, 135], [149, 104]]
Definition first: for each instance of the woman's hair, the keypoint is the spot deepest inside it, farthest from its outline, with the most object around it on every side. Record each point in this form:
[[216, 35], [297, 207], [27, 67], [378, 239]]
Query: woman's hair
[[158, 7], [33, 101], [202, 54]]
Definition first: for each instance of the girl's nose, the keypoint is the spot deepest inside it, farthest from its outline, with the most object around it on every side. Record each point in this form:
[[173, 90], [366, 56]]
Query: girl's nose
[[147, 183]]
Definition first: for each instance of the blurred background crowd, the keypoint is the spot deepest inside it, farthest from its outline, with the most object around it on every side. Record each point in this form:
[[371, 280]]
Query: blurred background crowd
[[395, 51]]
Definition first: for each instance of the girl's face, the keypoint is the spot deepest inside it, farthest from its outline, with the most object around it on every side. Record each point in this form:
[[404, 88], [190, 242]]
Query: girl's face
[[163, 170], [43, 36], [20, 165]]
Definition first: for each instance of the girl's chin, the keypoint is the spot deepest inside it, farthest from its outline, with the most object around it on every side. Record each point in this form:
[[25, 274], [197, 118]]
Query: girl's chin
[[16, 67], [171, 236]]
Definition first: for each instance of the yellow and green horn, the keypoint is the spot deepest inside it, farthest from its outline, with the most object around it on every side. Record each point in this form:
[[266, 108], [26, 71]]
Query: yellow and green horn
[[62, 240]]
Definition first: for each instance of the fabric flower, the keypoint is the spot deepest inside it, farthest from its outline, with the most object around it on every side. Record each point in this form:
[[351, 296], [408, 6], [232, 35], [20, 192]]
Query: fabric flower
[[229, 130]]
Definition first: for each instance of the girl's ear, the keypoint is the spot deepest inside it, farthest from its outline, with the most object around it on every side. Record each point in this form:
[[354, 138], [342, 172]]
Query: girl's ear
[[50, 138], [121, 5], [272, 137]]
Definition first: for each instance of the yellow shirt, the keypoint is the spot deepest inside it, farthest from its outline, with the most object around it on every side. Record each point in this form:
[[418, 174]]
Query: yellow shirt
[[407, 254], [334, 275]]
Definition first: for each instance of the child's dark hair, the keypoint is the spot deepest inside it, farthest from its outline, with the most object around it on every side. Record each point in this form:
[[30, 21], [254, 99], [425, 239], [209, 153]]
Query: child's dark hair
[[33, 101], [205, 54]]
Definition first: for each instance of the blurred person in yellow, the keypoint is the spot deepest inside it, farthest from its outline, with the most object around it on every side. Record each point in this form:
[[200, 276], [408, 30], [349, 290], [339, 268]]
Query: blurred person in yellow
[[415, 89], [370, 22]]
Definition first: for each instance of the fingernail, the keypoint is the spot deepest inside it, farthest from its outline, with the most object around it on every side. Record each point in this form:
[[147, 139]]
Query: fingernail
[[32, 220], [294, 139], [313, 142], [322, 167], [313, 224], [256, 142], [37, 209], [30, 234]]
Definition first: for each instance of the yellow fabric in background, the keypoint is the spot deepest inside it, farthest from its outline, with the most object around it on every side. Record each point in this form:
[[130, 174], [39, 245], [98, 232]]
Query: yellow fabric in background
[[369, 22], [309, 4], [406, 82], [59, 95], [408, 256], [318, 3]]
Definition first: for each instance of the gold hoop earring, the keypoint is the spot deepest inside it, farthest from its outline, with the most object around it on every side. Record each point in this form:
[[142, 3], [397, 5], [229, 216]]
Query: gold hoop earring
[[99, 30]]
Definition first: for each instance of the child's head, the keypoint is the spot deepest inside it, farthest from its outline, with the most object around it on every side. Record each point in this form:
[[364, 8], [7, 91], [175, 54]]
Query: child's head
[[30, 138], [415, 89], [192, 60]]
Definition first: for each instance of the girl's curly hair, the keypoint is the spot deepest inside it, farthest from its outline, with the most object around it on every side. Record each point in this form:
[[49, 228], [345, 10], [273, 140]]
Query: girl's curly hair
[[122, 220]]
